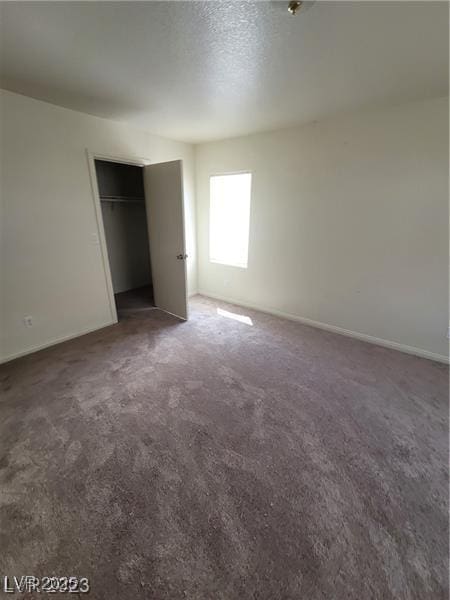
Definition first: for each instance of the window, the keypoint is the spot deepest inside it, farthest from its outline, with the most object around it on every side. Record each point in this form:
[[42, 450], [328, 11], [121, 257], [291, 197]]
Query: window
[[229, 219]]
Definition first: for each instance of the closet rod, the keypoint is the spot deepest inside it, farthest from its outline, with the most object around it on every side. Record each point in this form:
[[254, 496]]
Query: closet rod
[[122, 199]]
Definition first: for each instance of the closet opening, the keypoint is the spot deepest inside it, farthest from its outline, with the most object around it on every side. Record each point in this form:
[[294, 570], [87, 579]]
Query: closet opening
[[124, 212]]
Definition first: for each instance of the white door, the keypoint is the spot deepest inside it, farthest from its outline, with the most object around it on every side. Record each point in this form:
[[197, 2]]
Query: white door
[[163, 184]]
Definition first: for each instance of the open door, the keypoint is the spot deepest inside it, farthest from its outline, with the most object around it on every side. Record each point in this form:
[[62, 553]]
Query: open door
[[163, 184]]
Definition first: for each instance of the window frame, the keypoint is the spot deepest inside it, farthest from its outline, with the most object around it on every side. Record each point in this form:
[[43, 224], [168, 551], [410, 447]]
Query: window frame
[[224, 174]]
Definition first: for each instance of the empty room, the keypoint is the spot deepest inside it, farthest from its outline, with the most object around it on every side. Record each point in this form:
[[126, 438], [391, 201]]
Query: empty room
[[224, 300]]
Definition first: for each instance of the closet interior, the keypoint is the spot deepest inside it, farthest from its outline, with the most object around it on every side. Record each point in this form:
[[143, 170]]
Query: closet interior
[[122, 198]]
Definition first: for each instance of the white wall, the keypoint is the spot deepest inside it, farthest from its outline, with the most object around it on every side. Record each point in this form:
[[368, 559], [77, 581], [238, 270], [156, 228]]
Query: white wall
[[348, 225], [50, 266]]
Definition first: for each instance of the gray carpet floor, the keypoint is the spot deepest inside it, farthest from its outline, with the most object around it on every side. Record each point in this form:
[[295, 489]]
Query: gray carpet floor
[[134, 299], [222, 460]]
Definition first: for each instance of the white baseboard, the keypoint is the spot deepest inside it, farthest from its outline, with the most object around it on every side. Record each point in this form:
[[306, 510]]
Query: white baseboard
[[53, 342], [334, 329], [5, 359]]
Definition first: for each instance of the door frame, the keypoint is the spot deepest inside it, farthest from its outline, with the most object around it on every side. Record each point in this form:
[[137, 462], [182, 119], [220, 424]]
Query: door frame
[[126, 160]]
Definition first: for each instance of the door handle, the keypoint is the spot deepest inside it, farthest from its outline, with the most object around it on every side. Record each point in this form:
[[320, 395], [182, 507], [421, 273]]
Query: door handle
[[182, 256]]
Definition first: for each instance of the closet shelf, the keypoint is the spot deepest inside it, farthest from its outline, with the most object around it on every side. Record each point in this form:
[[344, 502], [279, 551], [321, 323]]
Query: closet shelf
[[122, 199]]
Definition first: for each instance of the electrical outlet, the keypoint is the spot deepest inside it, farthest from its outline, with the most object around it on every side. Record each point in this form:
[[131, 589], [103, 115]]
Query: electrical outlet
[[28, 321]]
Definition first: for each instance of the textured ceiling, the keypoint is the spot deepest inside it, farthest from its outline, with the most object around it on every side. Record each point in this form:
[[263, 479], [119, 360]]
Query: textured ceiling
[[205, 70]]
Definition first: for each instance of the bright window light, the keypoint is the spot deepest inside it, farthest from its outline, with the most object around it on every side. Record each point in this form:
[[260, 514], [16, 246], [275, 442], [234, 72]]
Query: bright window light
[[235, 316], [229, 219]]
